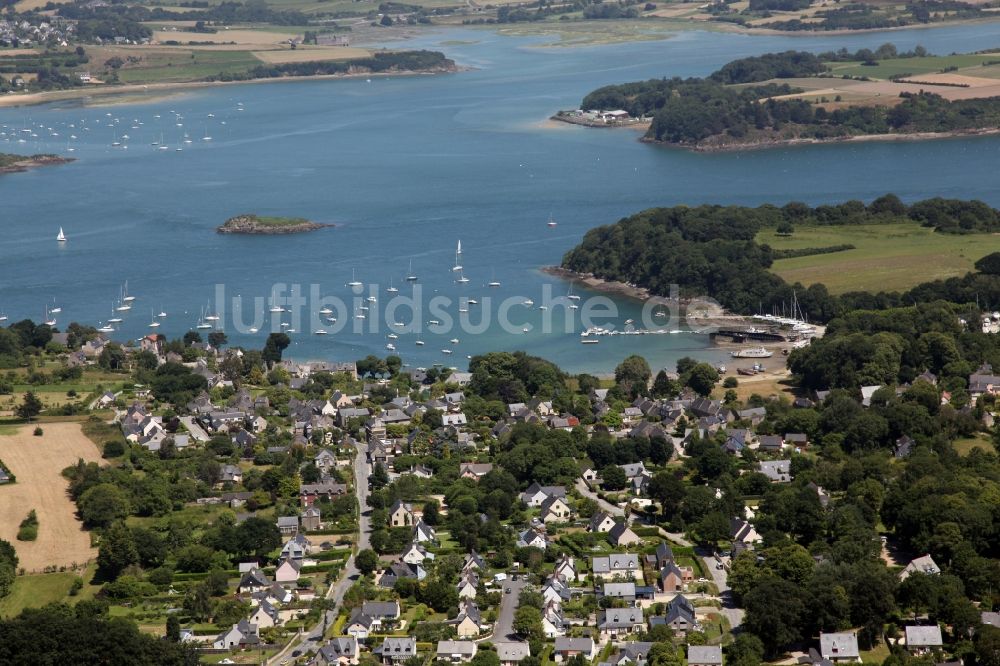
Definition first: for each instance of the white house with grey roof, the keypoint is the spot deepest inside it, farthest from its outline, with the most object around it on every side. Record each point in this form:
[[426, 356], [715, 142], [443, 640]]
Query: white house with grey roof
[[624, 565], [839, 647], [704, 655], [922, 640]]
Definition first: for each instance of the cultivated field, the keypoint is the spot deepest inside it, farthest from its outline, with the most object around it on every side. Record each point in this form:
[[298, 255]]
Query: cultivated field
[[37, 462], [887, 257]]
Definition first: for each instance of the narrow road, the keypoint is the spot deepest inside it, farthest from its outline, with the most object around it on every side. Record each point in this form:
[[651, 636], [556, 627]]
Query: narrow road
[[504, 628], [721, 579], [197, 432], [314, 639], [583, 489]]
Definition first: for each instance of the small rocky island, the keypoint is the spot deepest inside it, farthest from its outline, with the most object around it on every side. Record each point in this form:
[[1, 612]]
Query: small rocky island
[[10, 163], [259, 224]]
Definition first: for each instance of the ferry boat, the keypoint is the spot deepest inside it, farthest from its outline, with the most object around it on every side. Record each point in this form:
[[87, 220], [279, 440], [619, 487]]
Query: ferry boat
[[752, 352]]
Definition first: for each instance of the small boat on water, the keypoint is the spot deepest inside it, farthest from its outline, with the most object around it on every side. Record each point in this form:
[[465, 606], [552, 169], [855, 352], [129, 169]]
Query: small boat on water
[[320, 331], [326, 311], [589, 341], [61, 237], [494, 282], [153, 323], [551, 223], [391, 289], [458, 258], [354, 281], [410, 277], [390, 347], [106, 328], [419, 343], [125, 297]]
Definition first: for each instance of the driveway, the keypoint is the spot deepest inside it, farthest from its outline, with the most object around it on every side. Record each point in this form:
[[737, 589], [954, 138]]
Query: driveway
[[721, 579], [504, 628], [197, 432], [314, 639], [584, 489]]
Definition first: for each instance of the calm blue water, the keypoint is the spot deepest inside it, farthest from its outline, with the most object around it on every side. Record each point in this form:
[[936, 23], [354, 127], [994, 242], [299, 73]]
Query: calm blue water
[[406, 167]]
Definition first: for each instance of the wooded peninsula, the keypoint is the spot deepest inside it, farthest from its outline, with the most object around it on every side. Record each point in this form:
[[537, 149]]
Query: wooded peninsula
[[794, 96]]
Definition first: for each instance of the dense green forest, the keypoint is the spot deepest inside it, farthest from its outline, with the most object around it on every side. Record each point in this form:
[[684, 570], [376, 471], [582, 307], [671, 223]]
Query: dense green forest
[[710, 112], [711, 251]]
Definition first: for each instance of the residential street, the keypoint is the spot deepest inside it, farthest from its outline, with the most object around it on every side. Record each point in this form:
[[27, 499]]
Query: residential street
[[720, 577], [583, 489], [508, 604], [314, 639], [198, 433]]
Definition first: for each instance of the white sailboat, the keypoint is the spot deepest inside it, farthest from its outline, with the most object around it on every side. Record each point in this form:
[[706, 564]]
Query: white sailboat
[[106, 328], [202, 324], [391, 289], [461, 278], [125, 296], [458, 258], [494, 282], [61, 237], [152, 320], [49, 319], [551, 223], [354, 280], [115, 319], [162, 314], [410, 277], [3, 317]]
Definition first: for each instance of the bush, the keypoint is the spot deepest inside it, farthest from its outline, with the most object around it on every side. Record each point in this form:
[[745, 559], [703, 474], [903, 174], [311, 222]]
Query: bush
[[113, 449], [28, 529], [730, 382], [38, 431]]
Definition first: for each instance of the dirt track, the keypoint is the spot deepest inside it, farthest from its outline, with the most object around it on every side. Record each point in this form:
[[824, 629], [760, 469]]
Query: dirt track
[[37, 463]]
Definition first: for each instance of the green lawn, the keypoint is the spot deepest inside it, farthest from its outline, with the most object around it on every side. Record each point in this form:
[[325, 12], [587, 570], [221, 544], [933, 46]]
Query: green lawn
[[886, 257], [965, 445], [182, 66], [914, 66], [36, 591]]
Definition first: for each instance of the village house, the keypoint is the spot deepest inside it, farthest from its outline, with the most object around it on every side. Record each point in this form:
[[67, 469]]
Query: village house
[[924, 564], [624, 565], [288, 525], [242, 635], [340, 651], [468, 623], [921, 640], [310, 519], [455, 652], [840, 647], [288, 571], [401, 514], [511, 652], [536, 494], [704, 655], [394, 650], [474, 471], [555, 510], [601, 522], [622, 536], [565, 569], [567, 648], [296, 548], [777, 471]]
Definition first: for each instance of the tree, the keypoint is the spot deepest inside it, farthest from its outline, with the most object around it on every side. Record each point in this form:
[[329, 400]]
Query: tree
[[275, 345], [257, 537], [663, 654], [173, 628], [117, 550], [632, 375], [775, 612], [702, 378], [217, 339], [785, 229], [528, 623], [379, 477], [613, 477], [103, 504], [485, 658], [386, 21], [30, 407], [366, 561], [191, 338], [713, 528], [988, 645], [990, 264], [663, 386], [668, 490]]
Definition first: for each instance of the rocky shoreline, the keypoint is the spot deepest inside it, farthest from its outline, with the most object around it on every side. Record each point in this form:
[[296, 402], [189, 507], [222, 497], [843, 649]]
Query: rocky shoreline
[[21, 164], [270, 226]]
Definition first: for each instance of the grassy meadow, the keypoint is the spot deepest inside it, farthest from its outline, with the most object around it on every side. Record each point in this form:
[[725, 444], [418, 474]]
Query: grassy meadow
[[887, 257]]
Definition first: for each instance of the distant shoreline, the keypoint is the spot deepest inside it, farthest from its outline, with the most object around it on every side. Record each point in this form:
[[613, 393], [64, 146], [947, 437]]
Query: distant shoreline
[[33, 99], [34, 161], [785, 143]]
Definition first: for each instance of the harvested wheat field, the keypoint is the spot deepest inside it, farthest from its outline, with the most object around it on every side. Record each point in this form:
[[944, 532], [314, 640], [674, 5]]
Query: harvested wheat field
[[37, 462], [302, 54]]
